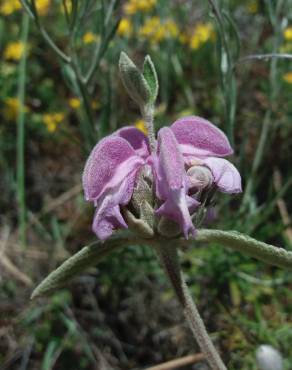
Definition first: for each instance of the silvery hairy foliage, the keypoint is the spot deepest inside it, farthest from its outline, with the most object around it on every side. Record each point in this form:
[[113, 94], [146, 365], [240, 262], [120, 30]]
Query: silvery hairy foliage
[[159, 188]]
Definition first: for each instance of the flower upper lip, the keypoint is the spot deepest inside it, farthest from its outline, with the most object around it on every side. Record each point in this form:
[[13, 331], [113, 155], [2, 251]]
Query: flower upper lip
[[200, 138], [112, 167]]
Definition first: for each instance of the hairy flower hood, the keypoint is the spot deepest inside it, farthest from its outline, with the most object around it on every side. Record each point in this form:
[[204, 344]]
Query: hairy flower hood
[[188, 156]]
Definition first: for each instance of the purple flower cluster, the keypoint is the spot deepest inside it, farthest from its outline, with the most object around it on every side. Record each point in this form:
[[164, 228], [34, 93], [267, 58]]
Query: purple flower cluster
[[188, 159]]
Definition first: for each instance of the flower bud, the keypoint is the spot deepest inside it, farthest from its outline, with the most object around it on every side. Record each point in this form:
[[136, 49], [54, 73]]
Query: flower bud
[[134, 81], [200, 177]]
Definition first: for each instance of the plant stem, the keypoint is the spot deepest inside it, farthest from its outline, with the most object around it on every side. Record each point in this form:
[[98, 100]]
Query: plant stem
[[32, 11], [228, 81], [89, 124], [147, 115], [168, 256], [21, 132], [262, 57], [106, 36]]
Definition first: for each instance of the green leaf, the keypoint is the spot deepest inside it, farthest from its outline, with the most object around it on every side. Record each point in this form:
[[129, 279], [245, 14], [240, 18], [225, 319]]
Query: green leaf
[[138, 225], [150, 75], [134, 81], [49, 356], [252, 247], [87, 257]]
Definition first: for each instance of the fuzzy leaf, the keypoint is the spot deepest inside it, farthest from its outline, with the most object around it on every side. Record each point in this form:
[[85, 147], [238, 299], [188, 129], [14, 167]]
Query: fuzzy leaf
[[134, 81], [87, 257], [252, 247], [138, 225], [149, 72], [147, 213], [142, 191]]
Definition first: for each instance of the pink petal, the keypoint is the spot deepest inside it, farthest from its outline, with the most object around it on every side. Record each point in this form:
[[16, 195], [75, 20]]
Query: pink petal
[[200, 138], [104, 224], [110, 162], [171, 182], [226, 176], [137, 139], [176, 209], [108, 216]]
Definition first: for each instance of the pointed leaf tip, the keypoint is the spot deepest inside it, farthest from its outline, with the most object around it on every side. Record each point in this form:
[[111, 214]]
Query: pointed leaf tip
[[150, 75], [87, 257], [134, 81]]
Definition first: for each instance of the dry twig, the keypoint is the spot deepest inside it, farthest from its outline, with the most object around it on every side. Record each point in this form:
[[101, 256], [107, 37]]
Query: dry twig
[[63, 198], [6, 263], [282, 205], [179, 362]]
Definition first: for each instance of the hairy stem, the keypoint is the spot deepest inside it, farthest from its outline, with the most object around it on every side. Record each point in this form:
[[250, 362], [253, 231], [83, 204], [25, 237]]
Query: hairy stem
[[168, 257], [147, 114]]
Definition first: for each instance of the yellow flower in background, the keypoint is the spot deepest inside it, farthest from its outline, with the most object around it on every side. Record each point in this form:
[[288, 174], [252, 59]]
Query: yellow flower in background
[[52, 120], [151, 29], [140, 125], [288, 34], [287, 77], [125, 27], [171, 28], [12, 107], [134, 6], [74, 103], [195, 43], [89, 38], [252, 7], [14, 50], [8, 7], [43, 6], [95, 104], [130, 8], [155, 30], [202, 33]]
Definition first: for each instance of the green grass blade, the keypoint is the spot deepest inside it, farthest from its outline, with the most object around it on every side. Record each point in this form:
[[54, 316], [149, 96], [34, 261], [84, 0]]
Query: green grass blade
[[21, 132]]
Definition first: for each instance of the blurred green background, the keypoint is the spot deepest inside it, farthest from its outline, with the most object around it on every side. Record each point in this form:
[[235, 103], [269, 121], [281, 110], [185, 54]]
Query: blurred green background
[[60, 93]]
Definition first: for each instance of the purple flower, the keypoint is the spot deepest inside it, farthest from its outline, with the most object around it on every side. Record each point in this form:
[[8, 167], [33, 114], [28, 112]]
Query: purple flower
[[187, 163]]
